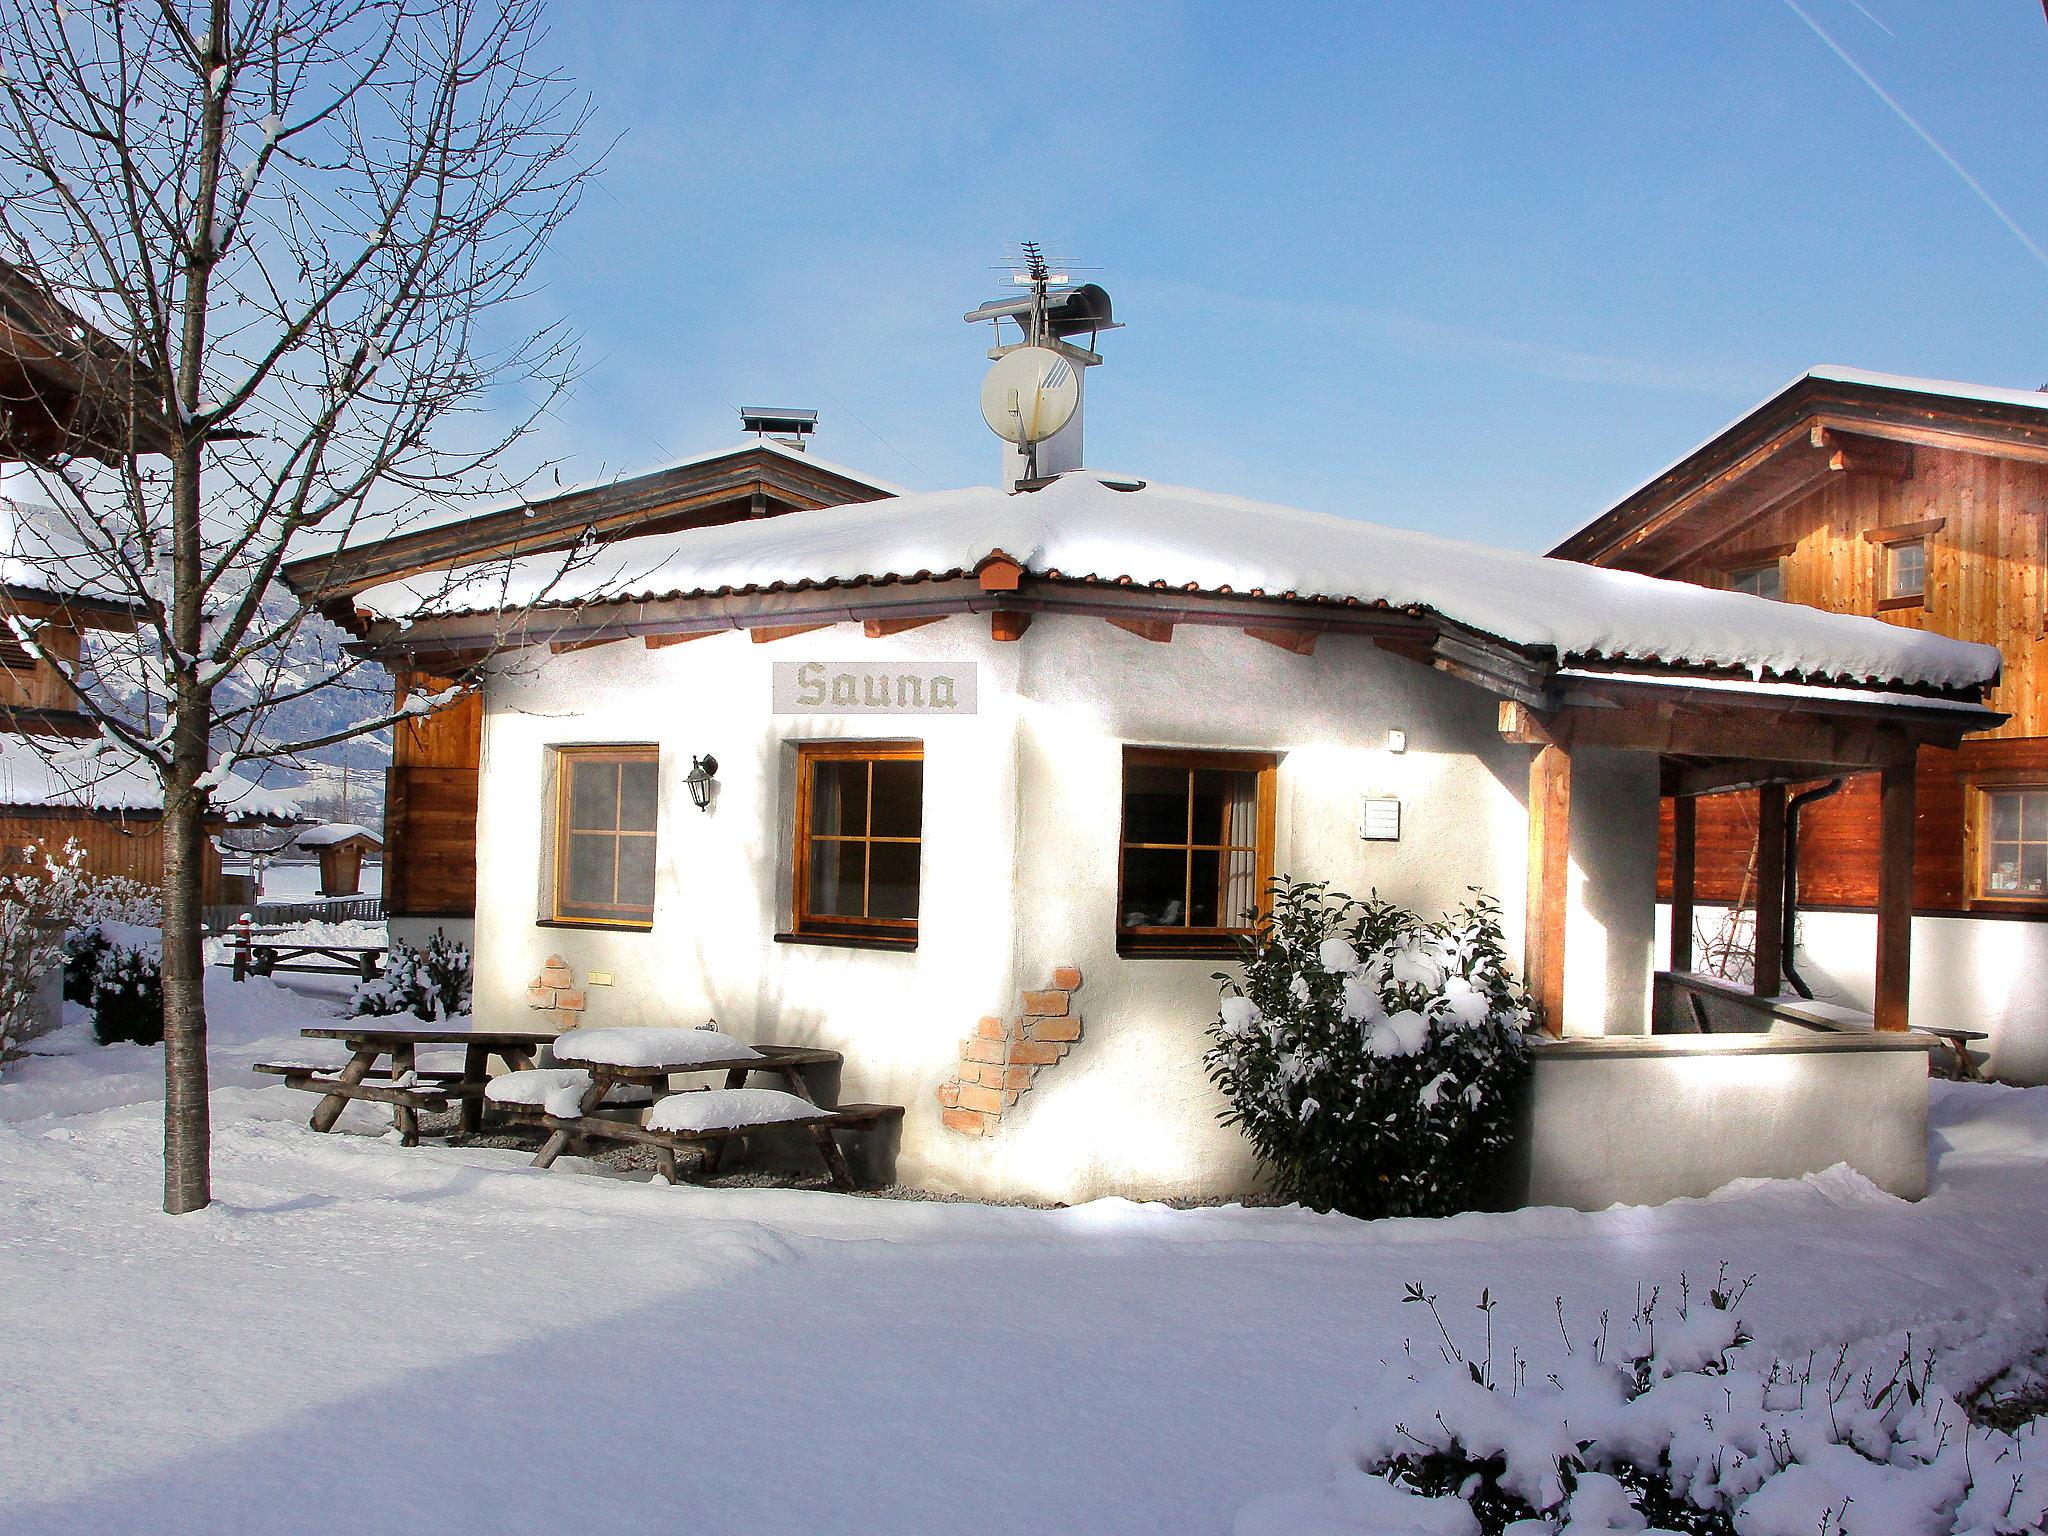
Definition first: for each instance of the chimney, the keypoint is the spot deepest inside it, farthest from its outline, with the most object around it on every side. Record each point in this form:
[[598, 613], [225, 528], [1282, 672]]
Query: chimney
[[787, 428], [1046, 314]]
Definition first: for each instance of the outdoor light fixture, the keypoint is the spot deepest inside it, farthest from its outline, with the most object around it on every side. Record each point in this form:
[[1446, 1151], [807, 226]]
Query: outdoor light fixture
[[703, 776]]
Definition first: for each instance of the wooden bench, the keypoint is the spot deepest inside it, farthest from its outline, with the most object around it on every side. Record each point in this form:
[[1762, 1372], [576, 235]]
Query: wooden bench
[[599, 1127], [432, 1091]]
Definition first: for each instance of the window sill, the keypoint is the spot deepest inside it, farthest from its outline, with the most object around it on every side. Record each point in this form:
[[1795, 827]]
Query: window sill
[[2018, 906], [1135, 947], [847, 941], [590, 923], [1894, 604]]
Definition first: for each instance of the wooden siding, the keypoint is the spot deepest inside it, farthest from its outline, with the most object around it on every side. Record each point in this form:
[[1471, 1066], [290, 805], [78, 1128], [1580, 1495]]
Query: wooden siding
[[1838, 836], [1984, 564], [1985, 582], [130, 846], [430, 808]]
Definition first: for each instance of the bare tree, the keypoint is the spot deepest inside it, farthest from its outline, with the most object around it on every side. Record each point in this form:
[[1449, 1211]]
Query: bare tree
[[309, 223]]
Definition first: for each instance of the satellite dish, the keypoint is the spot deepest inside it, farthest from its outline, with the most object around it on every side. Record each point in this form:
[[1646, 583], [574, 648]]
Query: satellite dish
[[1030, 394]]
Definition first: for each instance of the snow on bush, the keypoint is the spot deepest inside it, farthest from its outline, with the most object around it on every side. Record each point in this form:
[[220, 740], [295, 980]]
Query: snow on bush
[[1672, 1427], [44, 898], [434, 983], [1370, 1056], [128, 984]]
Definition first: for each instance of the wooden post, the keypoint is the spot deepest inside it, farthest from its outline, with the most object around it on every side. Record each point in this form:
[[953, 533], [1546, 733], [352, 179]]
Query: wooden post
[[1684, 866], [242, 942], [1894, 895], [1550, 823], [1767, 978]]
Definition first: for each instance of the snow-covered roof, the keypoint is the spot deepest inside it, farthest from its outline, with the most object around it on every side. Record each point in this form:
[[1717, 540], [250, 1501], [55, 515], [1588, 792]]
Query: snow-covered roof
[[371, 527], [1173, 538], [327, 834], [1835, 373], [92, 775]]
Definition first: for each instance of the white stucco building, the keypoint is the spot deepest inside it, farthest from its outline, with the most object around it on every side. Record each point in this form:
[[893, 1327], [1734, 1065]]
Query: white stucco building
[[998, 773]]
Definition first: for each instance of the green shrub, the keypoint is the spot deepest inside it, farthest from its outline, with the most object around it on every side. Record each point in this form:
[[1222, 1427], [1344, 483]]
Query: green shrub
[[1372, 1057], [430, 984], [128, 991]]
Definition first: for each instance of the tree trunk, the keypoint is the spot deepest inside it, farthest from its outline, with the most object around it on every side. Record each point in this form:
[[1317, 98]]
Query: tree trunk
[[188, 1128]]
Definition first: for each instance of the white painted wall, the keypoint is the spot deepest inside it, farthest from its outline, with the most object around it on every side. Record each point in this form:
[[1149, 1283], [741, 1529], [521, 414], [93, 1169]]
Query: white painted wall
[[1968, 973], [1022, 805], [1682, 1115]]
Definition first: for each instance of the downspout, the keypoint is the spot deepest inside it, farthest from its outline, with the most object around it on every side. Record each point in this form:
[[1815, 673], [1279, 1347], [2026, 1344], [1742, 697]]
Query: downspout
[[1789, 914]]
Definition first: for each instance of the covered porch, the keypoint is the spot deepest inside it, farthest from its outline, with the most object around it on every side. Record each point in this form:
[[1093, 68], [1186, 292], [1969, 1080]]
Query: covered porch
[[1787, 1091]]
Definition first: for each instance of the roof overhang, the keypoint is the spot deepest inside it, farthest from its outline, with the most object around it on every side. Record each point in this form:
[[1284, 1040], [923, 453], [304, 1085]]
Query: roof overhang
[[1675, 712], [1817, 428], [751, 481]]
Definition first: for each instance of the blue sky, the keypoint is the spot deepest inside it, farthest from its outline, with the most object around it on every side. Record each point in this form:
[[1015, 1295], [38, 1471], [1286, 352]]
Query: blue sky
[[1478, 268]]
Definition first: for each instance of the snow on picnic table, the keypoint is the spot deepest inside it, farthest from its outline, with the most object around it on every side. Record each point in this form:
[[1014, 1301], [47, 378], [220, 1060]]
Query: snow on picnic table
[[359, 1338]]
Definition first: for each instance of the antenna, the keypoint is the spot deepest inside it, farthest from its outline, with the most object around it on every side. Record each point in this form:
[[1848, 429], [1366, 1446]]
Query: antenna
[[1033, 393]]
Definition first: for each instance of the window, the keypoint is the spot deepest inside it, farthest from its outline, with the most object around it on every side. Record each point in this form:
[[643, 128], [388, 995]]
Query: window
[[1902, 562], [604, 815], [1196, 851], [1759, 581], [859, 840], [1905, 569], [2013, 836]]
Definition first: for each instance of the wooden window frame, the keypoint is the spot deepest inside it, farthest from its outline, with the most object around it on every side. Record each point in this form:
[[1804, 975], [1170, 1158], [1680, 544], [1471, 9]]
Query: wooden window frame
[[807, 927], [631, 918], [1177, 943], [1978, 789], [1735, 573], [1890, 539]]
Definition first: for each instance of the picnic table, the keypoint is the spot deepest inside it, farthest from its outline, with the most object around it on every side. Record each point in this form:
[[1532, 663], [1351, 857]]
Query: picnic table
[[784, 1061], [401, 1084]]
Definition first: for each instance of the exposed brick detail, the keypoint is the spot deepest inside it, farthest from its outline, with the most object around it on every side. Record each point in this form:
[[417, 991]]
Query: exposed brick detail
[[1003, 1057], [555, 992]]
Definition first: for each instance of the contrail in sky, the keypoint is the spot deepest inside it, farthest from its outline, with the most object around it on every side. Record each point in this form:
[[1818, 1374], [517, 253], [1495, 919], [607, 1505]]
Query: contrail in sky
[[1926, 138]]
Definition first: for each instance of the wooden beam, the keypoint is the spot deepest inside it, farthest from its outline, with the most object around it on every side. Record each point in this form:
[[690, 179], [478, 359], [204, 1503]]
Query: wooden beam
[[1550, 834], [564, 647], [1301, 642], [684, 637], [764, 633], [1159, 631], [1858, 453], [1684, 866], [999, 573], [1523, 726], [1767, 976], [1007, 624], [1895, 819], [877, 629]]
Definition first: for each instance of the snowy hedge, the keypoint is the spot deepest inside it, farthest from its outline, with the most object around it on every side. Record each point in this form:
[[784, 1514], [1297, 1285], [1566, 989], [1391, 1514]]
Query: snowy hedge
[[434, 983], [1371, 1057], [1672, 1427]]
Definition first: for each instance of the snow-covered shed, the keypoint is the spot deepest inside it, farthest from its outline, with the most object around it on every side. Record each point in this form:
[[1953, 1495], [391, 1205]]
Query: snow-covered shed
[[983, 781], [341, 846]]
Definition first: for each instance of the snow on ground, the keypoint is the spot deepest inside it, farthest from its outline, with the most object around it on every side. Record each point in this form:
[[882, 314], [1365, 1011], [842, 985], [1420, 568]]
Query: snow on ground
[[361, 1338]]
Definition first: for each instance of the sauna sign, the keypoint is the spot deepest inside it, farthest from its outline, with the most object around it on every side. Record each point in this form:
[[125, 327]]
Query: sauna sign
[[873, 688]]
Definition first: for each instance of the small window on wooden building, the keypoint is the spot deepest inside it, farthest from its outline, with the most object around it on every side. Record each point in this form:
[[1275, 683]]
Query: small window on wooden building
[[604, 835], [1905, 569], [1196, 850], [1766, 580], [859, 840], [2012, 838]]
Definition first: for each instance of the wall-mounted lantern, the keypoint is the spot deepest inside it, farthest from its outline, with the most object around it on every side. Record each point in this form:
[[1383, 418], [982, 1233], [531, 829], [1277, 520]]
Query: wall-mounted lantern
[[702, 779]]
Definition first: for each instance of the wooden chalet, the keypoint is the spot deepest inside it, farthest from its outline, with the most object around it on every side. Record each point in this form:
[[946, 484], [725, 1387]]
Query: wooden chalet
[[430, 806], [1923, 504], [66, 387]]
